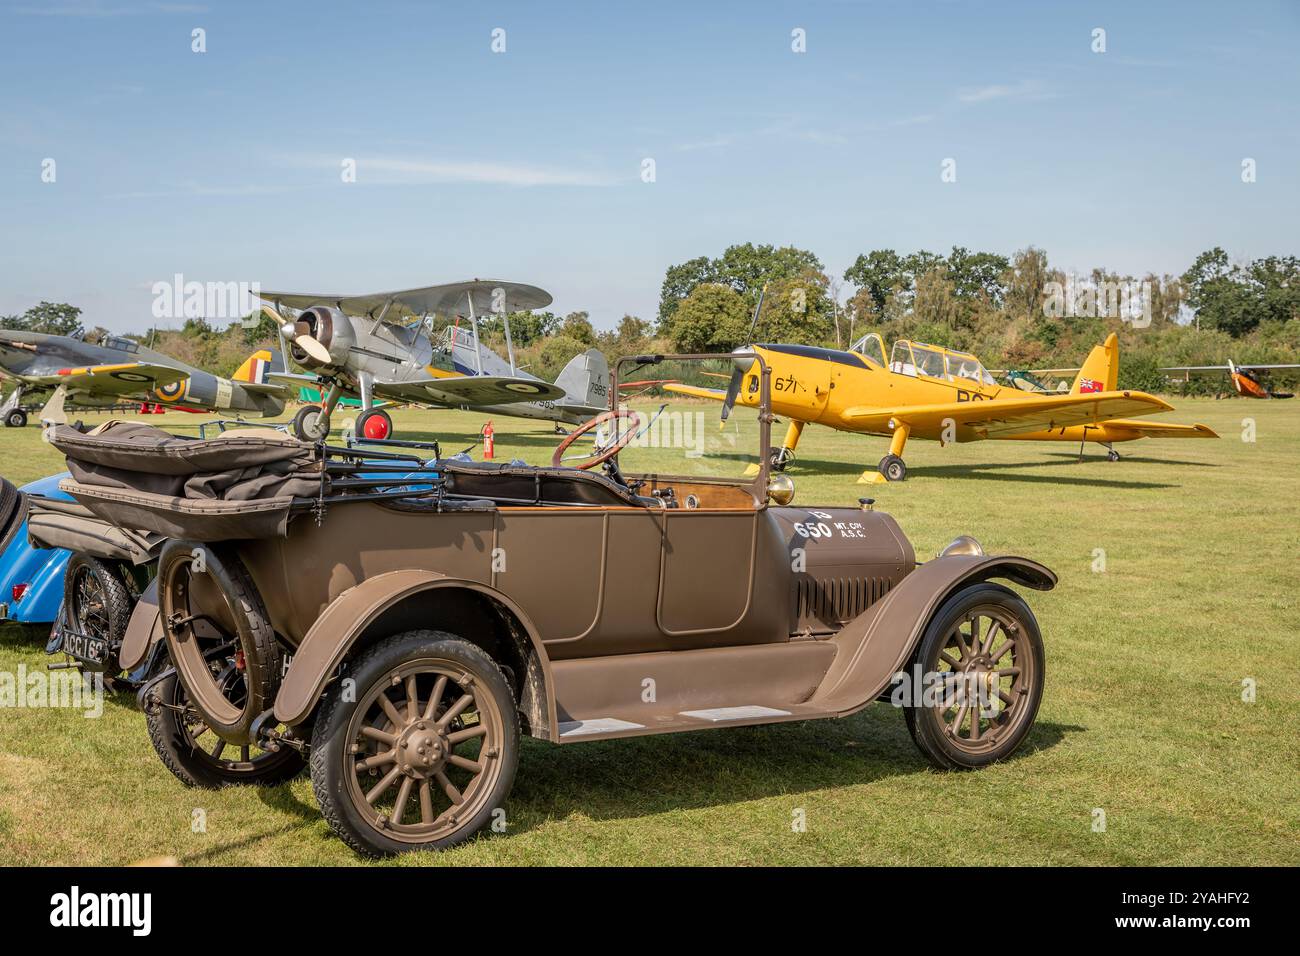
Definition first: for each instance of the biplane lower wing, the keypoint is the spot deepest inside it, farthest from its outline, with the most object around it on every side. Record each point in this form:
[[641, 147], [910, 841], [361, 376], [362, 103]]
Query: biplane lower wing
[[995, 418], [695, 391], [470, 390]]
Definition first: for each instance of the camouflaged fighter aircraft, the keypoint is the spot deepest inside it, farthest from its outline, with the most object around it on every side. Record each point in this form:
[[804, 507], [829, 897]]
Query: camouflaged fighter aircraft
[[113, 370], [380, 346], [926, 391]]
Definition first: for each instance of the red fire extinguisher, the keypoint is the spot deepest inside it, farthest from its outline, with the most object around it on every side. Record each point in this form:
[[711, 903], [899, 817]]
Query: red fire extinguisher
[[489, 443]]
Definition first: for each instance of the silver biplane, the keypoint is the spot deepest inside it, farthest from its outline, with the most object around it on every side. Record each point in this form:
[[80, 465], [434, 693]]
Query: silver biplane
[[381, 347]]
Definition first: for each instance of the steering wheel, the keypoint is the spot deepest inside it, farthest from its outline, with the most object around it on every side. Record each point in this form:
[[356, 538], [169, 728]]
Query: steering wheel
[[600, 455]]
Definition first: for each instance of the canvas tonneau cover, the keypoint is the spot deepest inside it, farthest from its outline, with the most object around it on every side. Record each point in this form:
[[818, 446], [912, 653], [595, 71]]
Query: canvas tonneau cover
[[241, 484], [55, 523]]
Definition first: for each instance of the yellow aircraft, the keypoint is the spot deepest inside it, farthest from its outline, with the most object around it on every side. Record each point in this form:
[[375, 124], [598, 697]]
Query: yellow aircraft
[[935, 393]]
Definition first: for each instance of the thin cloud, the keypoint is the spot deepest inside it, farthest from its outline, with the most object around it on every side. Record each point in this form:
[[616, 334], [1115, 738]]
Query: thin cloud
[[94, 10], [387, 170], [714, 142], [1025, 89]]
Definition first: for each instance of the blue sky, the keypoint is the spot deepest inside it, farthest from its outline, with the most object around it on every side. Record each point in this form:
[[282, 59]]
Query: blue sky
[[526, 165]]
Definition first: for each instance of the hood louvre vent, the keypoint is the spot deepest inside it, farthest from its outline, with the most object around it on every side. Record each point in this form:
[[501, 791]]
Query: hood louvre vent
[[827, 604]]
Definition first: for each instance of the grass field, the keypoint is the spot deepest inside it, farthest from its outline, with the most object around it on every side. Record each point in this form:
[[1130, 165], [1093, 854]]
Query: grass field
[[1143, 717]]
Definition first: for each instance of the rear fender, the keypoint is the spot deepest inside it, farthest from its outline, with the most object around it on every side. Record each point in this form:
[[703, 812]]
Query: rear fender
[[346, 620], [878, 642], [41, 570], [143, 631]]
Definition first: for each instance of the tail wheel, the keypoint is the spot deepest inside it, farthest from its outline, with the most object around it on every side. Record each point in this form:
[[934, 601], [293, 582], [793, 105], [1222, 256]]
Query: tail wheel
[[199, 758], [986, 653], [311, 424], [97, 604], [219, 636], [424, 753], [374, 424]]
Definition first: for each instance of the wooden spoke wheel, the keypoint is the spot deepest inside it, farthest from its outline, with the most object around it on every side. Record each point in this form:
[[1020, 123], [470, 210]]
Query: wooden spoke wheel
[[425, 755], [984, 654]]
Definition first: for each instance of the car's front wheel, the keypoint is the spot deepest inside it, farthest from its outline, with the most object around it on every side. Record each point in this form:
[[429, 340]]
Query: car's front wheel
[[982, 661], [420, 752]]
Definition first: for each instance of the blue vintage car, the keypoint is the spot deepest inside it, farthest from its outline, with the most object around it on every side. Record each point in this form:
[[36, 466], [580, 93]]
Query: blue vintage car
[[31, 579]]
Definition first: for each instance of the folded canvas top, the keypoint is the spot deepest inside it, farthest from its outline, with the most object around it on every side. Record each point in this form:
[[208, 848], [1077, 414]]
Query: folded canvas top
[[200, 519], [134, 446], [239, 465]]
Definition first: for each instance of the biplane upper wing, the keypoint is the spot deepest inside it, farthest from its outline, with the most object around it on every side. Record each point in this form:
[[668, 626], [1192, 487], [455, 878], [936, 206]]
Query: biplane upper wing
[[1206, 369], [125, 378], [996, 417], [488, 295]]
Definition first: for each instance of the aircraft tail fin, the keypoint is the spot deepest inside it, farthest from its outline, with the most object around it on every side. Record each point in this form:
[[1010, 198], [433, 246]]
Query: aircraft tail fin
[[1100, 372], [586, 380], [258, 365]]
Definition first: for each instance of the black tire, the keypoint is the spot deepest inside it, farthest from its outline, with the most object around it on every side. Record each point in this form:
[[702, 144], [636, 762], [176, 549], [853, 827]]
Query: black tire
[[1112, 455], [311, 424], [893, 468], [228, 702], [172, 726], [13, 509], [341, 739], [930, 727], [376, 416], [16, 418], [97, 604]]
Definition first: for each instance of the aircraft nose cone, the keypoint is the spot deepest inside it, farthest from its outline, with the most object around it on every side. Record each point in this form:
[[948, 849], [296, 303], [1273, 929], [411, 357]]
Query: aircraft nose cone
[[287, 330]]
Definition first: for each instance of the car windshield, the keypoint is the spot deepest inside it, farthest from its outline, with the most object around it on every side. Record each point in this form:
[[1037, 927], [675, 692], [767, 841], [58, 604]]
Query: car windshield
[[679, 431]]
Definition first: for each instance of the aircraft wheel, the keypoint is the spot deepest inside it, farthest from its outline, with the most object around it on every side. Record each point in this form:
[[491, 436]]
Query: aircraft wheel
[[892, 467], [311, 424], [780, 458], [16, 419], [1112, 455], [374, 423]]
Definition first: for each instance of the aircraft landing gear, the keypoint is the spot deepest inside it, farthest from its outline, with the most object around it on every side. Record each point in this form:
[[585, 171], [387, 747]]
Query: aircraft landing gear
[[311, 423], [1111, 454], [375, 424], [785, 454], [893, 468], [15, 418]]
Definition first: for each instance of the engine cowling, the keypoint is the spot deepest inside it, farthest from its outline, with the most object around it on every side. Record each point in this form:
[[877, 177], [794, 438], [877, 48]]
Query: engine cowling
[[329, 326]]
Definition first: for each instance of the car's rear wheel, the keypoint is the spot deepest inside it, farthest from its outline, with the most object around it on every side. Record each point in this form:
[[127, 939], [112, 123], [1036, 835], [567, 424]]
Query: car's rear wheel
[[219, 635], [98, 606], [424, 752], [198, 757], [983, 650]]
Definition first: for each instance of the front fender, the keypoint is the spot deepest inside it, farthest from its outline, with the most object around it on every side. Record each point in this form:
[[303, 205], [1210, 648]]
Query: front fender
[[877, 643], [328, 640]]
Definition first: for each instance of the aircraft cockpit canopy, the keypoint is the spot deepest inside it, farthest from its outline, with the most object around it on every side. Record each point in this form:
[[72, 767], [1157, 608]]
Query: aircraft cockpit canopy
[[934, 361], [871, 347]]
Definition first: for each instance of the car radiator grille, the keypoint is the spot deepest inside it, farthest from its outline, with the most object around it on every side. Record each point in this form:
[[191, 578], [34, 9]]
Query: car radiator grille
[[825, 604]]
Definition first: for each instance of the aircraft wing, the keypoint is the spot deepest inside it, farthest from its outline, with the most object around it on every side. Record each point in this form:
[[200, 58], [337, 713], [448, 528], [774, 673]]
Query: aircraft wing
[[696, 391], [470, 390], [1160, 430], [489, 296], [1222, 368], [126, 378], [1010, 416]]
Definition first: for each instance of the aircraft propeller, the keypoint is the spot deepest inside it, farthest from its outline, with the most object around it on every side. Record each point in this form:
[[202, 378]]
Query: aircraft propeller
[[742, 365], [303, 339]]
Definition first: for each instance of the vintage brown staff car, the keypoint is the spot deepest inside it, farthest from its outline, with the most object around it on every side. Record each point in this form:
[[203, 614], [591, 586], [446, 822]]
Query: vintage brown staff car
[[402, 622]]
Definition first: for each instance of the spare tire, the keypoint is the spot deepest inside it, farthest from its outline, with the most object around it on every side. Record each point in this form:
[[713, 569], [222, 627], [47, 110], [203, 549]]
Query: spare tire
[[219, 635], [13, 509]]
